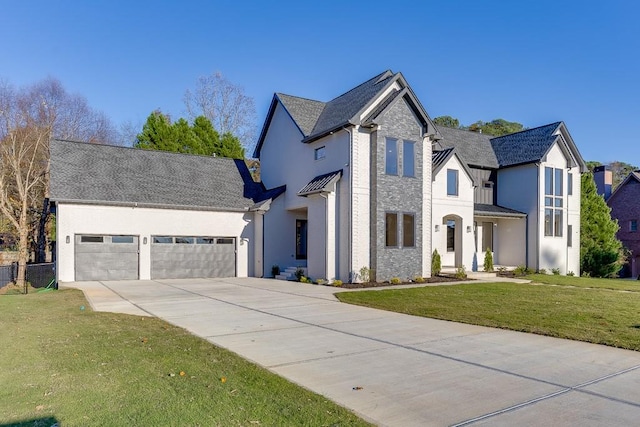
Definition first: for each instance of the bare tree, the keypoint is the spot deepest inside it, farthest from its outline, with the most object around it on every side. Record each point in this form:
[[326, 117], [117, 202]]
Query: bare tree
[[225, 105], [29, 118]]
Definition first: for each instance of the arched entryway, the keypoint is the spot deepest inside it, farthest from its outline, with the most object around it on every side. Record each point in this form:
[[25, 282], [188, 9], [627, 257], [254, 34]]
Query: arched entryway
[[452, 227]]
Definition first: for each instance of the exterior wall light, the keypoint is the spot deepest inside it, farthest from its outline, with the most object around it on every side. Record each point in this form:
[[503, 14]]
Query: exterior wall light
[[437, 227], [68, 239], [144, 240]]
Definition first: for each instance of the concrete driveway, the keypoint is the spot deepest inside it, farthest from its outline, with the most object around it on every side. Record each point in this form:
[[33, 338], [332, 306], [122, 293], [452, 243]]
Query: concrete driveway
[[393, 369]]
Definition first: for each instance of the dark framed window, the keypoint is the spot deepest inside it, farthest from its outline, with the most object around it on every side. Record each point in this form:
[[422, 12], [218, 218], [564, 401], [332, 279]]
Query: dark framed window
[[391, 229], [319, 153], [408, 230], [121, 239], [569, 184], [391, 156], [487, 236], [162, 239], [184, 240], [91, 239], [452, 182], [205, 240], [633, 225], [451, 235], [553, 201], [408, 158], [225, 241], [569, 235]]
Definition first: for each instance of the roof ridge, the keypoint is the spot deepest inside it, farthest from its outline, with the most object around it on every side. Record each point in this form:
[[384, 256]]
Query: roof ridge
[[528, 130], [299, 97], [377, 77]]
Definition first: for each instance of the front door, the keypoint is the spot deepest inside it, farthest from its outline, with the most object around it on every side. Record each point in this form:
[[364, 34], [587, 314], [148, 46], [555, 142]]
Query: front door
[[301, 239]]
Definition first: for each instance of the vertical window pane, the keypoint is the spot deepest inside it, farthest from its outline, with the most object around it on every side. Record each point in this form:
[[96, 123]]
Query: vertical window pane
[[557, 224], [408, 158], [548, 222], [569, 235], [452, 182], [569, 184], [548, 181], [408, 231], [451, 236], [487, 236], [301, 239], [633, 225], [558, 182], [391, 229], [391, 158]]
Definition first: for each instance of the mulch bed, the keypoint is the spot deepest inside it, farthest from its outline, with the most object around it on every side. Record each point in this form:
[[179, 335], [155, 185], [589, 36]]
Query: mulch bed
[[435, 279]]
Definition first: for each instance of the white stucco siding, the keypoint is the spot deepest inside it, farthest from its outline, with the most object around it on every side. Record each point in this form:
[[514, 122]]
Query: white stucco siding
[[360, 217], [146, 222], [518, 189], [460, 206], [554, 251], [509, 248]]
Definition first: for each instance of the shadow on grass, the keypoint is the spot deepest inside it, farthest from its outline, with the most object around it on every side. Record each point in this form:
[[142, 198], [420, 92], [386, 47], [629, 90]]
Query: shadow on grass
[[37, 422]]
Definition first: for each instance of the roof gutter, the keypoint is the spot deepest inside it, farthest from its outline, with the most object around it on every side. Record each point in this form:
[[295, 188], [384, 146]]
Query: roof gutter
[[150, 205]]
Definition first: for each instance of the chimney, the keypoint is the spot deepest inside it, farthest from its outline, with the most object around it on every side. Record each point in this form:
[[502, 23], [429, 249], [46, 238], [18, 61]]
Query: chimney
[[603, 177]]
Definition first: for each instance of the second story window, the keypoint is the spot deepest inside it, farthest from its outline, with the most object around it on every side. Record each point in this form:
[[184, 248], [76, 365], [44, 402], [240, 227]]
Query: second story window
[[391, 157], [553, 202], [452, 182], [408, 158], [633, 225], [319, 153]]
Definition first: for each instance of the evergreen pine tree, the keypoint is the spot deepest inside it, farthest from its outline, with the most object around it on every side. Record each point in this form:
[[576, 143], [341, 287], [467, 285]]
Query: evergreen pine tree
[[601, 253]]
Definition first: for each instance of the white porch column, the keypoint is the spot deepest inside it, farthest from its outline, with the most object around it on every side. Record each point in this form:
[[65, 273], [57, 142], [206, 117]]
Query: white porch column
[[321, 251]]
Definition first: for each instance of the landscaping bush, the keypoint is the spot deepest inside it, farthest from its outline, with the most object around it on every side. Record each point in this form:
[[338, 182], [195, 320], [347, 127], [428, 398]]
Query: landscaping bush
[[275, 270], [488, 260], [461, 272], [395, 281], [436, 263]]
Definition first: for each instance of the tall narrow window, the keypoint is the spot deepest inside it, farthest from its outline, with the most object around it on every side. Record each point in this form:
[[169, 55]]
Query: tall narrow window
[[408, 158], [569, 184], [451, 236], [487, 236], [553, 202], [408, 231], [452, 182], [569, 236], [391, 156], [391, 229], [633, 225]]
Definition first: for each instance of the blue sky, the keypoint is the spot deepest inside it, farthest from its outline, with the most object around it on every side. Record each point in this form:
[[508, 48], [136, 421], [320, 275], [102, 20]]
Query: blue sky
[[533, 62]]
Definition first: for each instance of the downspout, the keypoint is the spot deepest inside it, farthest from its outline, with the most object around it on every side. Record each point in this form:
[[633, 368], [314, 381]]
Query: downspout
[[326, 234], [566, 223], [537, 220]]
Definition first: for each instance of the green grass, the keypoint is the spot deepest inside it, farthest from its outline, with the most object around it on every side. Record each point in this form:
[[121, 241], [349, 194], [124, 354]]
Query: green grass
[[78, 367], [599, 316], [586, 282]]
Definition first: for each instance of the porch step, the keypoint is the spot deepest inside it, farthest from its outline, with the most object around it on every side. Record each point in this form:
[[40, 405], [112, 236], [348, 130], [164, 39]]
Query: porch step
[[289, 273]]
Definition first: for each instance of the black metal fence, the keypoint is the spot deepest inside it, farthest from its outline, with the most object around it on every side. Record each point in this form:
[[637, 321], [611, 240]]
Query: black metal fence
[[39, 275]]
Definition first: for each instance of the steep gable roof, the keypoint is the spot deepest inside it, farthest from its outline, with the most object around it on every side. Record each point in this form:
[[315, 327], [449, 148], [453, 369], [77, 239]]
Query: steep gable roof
[[105, 174], [526, 146], [473, 148], [440, 157], [635, 175], [316, 119]]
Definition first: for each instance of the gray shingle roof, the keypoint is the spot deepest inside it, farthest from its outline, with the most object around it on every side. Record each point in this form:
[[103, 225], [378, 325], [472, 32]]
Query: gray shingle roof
[[320, 183], [473, 148], [104, 174], [480, 209], [439, 158], [526, 146], [305, 112]]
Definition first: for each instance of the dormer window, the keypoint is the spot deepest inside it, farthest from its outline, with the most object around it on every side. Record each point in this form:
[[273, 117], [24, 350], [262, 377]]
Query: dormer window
[[319, 153]]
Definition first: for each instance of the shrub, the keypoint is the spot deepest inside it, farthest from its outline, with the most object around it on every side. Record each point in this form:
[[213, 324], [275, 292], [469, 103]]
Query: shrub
[[542, 271], [488, 260], [570, 273], [520, 270], [304, 279], [555, 271], [365, 274], [418, 279], [337, 283], [275, 270], [436, 263], [299, 274], [461, 272], [321, 281], [502, 269], [395, 281]]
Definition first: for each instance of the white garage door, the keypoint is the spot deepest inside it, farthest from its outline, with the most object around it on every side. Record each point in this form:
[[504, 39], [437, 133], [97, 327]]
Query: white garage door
[[178, 257], [106, 257]]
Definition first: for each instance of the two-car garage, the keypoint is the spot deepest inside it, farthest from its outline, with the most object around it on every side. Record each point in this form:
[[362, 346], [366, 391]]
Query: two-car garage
[[117, 257]]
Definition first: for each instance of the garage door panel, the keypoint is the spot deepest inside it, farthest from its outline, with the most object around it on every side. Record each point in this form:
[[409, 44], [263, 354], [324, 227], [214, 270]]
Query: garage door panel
[[106, 260], [191, 260]]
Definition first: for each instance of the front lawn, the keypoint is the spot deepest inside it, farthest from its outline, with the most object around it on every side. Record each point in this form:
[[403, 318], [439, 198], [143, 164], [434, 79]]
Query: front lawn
[[586, 282], [62, 362], [600, 316]]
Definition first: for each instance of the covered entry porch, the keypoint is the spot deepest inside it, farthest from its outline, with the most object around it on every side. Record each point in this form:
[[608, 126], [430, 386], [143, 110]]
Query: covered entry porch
[[501, 230]]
